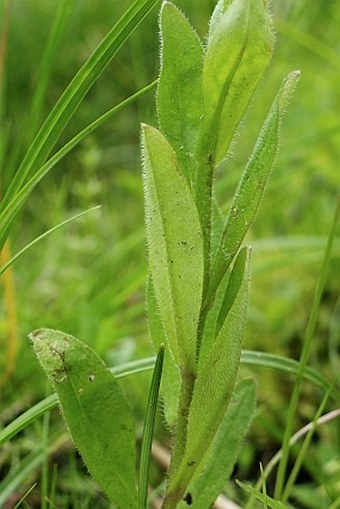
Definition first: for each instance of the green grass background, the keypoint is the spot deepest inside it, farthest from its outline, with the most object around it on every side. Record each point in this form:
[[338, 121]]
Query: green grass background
[[89, 277]]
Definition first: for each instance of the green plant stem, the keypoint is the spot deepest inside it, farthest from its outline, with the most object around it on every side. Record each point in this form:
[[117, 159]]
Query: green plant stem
[[204, 205], [175, 492], [306, 349]]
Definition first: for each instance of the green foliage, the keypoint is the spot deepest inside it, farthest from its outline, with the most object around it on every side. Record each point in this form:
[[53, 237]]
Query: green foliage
[[242, 30], [63, 111], [175, 246], [219, 459], [178, 164], [180, 95], [95, 410], [191, 169]]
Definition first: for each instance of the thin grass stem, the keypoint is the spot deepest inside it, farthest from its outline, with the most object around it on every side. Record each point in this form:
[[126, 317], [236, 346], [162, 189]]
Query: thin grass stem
[[149, 425], [306, 349]]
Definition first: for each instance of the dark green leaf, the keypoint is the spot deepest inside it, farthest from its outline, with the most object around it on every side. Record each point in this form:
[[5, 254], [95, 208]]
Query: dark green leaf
[[95, 410]]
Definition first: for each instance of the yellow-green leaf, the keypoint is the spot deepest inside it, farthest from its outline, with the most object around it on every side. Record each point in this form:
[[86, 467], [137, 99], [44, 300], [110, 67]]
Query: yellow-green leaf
[[175, 246], [221, 456], [240, 46], [251, 188], [216, 376], [171, 380], [180, 98]]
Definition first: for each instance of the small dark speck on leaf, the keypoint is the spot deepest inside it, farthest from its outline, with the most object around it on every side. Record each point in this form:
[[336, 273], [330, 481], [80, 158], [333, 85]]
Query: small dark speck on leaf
[[91, 377], [188, 498]]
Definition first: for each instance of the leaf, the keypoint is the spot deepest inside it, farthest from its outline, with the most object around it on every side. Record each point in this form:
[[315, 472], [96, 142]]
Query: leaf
[[175, 246], [95, 411], [171, 381], [249, 194], [240, 46], [274, 504], [221, 456], [216, 375], [149, 424], [180, 97]]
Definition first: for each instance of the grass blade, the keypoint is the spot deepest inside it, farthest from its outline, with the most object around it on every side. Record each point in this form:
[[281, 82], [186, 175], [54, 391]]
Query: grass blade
[[270, 502], [74, 94], [273, 361], [18, 200], [149, 425], [306, 349], [42, 236]]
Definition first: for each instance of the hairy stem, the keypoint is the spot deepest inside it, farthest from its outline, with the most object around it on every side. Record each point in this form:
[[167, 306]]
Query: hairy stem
[[175, 493]]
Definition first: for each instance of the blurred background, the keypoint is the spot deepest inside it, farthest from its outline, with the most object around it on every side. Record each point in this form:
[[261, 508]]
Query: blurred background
[[88, 278]]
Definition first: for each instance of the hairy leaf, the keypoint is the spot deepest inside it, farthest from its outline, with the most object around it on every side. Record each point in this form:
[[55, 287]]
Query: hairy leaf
[[240, 46], [170, 384], [175, 246], [95, 411], [248, 196], [216, 376], [218, 462], [180, 98]]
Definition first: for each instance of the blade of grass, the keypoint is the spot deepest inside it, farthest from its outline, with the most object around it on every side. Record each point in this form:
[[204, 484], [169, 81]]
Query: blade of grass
[[43, 235], [27, 466], [17, 201], [281, 363], [33, 118], [74, 94], [25, 495], [267, 501], [306, 349], [149, 425], [264, 487], [303, 451], [139, 366], [44, 468], [299, 434]]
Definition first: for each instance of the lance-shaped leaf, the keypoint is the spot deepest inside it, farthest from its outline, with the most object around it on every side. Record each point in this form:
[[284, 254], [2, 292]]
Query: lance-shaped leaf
[[180, 98], [240, 46], [175, 246], [220, 458], [216, 375], [171, 380], [95, 410], [248, 196]]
